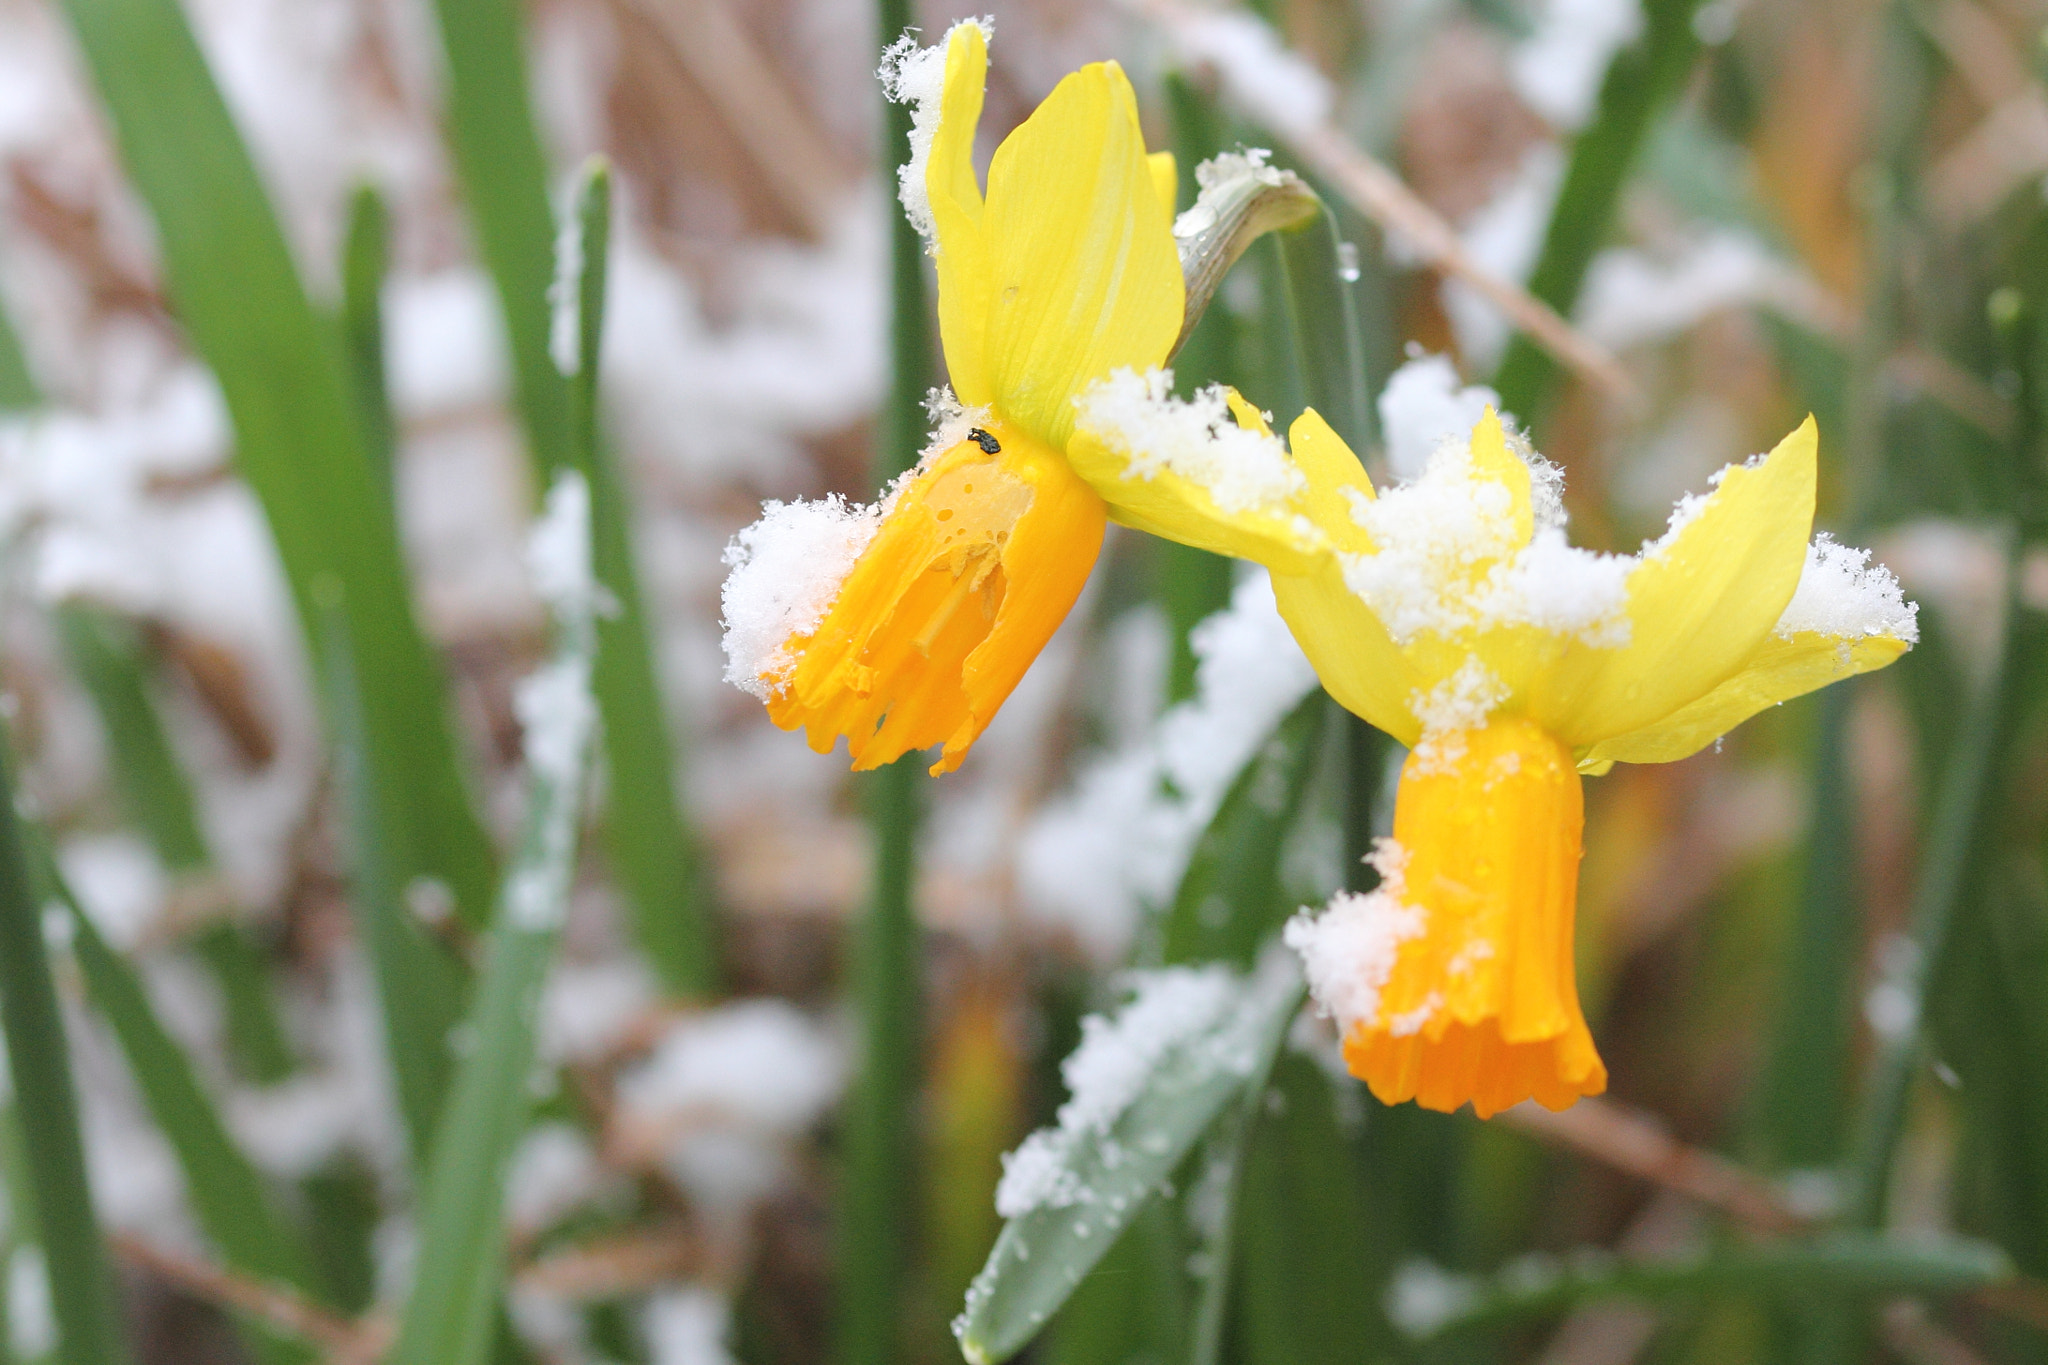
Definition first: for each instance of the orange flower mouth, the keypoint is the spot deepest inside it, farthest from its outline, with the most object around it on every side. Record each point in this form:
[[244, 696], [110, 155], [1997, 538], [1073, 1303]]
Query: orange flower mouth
[[1480, 1002], [975, 565]]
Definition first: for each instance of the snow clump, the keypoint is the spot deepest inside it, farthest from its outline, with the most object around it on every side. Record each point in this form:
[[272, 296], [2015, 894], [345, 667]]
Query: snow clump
[[1244, 470], [1842, 594], [1348, 952], [1106, 1073], [916, 76]]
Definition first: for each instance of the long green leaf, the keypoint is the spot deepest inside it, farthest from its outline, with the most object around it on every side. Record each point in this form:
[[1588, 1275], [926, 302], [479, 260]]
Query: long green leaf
[[299, 439], [505, 179], [1101, 1177], [365, 257], [420, 984], [1230, 899], [449, 1317], [17, 385], [1641, 82], [654, 851], [81, 1292], [234, 1206], [1308, 1287]]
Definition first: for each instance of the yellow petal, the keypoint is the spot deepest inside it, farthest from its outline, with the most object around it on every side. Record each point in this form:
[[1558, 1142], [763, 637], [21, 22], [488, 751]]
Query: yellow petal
[[960, 251], [1335, 480], [1699, 606], [1491, 459], [1177, 508], [1082, 274], [1779, 671], [1165, 180], [1359, 663]]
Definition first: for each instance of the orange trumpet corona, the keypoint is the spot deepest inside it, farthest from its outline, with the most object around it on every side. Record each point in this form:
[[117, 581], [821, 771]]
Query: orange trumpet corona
[[1481, 1003], [974, 566]]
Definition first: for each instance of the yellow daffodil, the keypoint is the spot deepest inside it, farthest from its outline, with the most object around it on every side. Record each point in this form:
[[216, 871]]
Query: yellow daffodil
[[1451, 613], [1063, 272]]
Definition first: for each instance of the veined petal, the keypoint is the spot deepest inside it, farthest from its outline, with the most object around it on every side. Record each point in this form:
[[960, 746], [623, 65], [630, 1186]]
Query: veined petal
[[1781, 670], [1082, 273], [976, 562], [1700, 603], [956, 206]]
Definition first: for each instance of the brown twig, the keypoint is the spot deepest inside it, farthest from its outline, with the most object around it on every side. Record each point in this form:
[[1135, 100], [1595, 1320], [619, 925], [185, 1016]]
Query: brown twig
[[1375, 191], [1631, 1141], [274, 1305], [616, 1266]]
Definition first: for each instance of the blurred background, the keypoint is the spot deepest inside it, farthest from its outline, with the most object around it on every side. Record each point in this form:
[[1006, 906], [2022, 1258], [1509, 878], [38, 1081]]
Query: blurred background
[[276, 364]]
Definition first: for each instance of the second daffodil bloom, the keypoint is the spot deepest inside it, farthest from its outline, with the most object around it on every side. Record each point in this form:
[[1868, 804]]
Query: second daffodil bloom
[[1450, 612], [904, 626]]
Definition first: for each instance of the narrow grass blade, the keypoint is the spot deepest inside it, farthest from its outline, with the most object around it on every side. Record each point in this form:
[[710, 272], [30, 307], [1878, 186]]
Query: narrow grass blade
[[1843, 1266], [112, 664], [886, 963], [109, 660], [1230, 899], [504, 174], [227, 1193], [498, 155], [1099, 1178], [1323, 315], [17, 385], [654, 852], [365, 258], [449, 1318], [1802, 1100], [1641, 82], [420, 984], [81, 1292], [299, 438], [1954, 848]]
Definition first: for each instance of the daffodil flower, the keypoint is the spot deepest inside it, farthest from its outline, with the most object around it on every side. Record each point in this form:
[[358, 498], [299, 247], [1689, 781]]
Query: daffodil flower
[[1451, 613], [906, 625]]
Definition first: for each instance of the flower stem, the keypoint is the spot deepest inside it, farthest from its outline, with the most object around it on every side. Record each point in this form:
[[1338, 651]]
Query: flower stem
[[875, 1216]]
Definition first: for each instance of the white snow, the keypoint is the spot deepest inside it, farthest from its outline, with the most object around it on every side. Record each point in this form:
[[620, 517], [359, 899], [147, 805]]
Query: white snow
[[1115, 844], [916, 76], [1503, 237], [1221, 178], [726, 1093], [1425, 404], [1446, 558], [1117, 1056], [1632, 296], [118, 881], [553, 1170], [1348, 952], [1423, 1296], [31, 1320], [1138, 416], [558, 551], [1843, 595], [1558, 68], [787, 569], [688, 1326], [1276, 87], [565, 293]]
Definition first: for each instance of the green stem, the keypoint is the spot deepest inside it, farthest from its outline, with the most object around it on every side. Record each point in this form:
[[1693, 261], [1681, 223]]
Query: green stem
[[875, 1216], [81, 1293]]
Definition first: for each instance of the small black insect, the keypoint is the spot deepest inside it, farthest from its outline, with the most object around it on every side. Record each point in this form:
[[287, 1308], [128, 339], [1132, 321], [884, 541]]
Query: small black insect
[[989, 445]]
